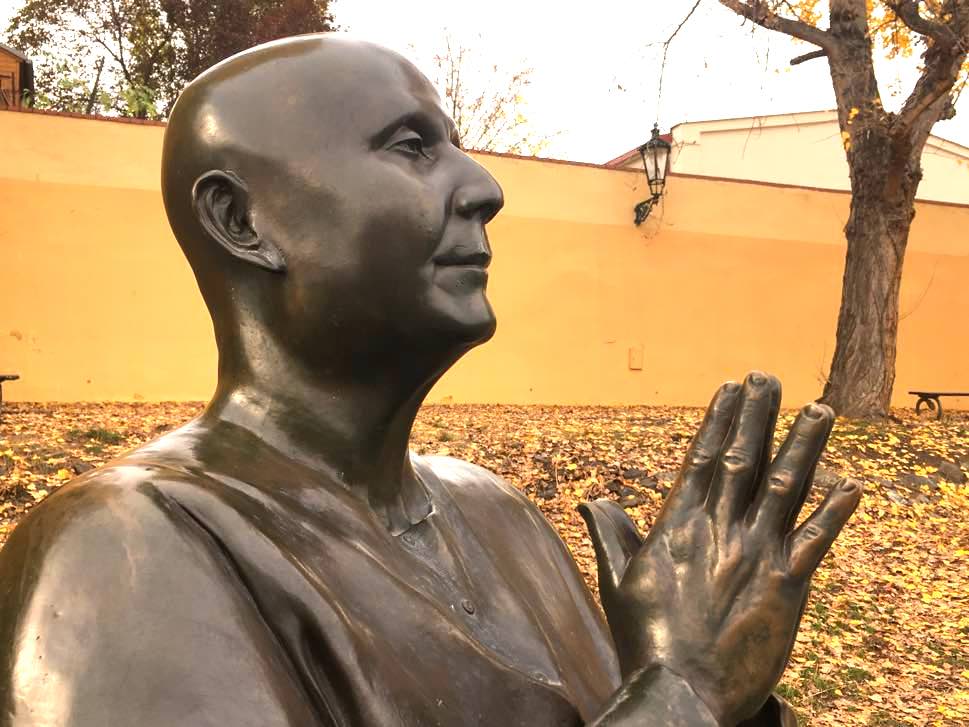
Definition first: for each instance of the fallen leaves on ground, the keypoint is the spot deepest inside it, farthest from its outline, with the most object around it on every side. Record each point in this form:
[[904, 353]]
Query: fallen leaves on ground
[[885, 637]]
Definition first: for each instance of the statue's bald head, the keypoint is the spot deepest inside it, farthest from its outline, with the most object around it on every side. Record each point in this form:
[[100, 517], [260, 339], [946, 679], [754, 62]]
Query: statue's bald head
[[259, 115], [318, 190]]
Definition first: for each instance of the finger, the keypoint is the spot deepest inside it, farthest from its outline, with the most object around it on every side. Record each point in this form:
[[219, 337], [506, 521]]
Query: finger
[[828, 416], [775, 405], [814, 536], [782, 492], [701, 458], [614, 537], [734, 479]]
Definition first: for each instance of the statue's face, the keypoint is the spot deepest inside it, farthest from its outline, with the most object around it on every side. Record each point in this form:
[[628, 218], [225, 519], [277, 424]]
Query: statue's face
[[379, 214]]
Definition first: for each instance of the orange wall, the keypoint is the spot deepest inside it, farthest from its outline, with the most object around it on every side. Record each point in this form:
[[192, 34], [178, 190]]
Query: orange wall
[[97, 303]]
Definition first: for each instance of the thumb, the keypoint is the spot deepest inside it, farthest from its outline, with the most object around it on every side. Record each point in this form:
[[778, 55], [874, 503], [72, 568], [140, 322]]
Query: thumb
[[614, 537]]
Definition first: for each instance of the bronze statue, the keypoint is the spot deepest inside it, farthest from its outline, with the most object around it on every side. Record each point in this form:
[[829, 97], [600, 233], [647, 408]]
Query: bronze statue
[[284, 560]]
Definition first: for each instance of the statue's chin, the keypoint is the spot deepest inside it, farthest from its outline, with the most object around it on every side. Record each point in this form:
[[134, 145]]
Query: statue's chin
[[463, 335], [483, 332], [467, 318]]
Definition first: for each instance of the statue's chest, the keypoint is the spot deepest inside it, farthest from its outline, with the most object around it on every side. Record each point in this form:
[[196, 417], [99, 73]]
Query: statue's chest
[[458, 635], [437, 588], [421, 629]]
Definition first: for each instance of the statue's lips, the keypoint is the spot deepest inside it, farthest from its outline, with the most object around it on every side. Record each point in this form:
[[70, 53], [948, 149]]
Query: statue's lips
[[463, 270], [479, 260]]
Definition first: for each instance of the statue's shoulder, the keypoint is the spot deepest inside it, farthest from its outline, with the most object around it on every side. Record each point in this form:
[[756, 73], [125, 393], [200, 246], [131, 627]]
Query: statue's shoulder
[[472, 479], [120, 505], [134, 611], [131, 494], [474, 486], [510, 525]]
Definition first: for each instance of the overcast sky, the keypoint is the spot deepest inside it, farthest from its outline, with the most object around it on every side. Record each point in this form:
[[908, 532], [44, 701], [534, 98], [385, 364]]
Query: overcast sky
[[596, 65]]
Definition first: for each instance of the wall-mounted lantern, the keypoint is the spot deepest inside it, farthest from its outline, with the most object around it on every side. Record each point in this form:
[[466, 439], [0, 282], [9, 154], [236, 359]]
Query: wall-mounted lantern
[[655, 154]]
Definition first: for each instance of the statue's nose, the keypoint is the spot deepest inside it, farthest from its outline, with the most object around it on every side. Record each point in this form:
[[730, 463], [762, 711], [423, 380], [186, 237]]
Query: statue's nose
[[480, 196]]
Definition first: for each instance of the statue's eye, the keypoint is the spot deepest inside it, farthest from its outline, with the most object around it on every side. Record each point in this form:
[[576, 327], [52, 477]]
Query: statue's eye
[[411, 145]]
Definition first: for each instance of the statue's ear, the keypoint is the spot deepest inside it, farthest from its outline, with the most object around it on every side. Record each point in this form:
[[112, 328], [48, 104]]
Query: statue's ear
[[221, 201]]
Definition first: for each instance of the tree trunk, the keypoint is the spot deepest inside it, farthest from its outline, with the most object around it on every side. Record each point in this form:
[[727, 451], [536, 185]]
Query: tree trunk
[[863, 368], [885, 173], [884, 152]]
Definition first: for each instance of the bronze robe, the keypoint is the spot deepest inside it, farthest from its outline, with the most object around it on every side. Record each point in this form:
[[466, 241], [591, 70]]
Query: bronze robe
[[153, 592]]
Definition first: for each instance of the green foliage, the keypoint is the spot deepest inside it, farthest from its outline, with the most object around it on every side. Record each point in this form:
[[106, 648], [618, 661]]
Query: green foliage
[[139, 101], [132, 57], [67, 90]]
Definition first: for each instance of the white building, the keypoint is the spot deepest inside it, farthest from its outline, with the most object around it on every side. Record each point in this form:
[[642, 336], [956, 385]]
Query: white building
[[803, 149]]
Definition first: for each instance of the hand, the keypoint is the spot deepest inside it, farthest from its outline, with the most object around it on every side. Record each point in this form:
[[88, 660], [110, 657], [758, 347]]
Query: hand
[[716, 591]]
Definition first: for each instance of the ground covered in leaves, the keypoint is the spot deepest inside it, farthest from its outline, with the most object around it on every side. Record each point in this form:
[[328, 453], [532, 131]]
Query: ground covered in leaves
[[885, 637]]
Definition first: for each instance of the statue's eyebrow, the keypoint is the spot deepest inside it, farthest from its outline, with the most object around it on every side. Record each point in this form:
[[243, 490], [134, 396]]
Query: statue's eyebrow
[[423, 123]]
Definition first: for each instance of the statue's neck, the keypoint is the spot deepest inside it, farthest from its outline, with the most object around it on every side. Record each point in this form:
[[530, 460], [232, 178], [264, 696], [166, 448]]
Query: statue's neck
[[357, 431], [348, 411]]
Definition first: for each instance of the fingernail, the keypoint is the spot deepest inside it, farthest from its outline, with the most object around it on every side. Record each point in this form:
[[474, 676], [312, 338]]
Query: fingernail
[[758, 379], [731, 387], [849, 485], [814, 411]]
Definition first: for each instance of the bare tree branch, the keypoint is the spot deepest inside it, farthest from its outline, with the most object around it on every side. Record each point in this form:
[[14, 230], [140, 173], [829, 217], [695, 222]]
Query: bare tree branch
[[944, 59], [89, 109], [908, 12], [820, 53], [936, 82], [758, 11], [666, 50], [120, 39], [97, 39], [486, 102]]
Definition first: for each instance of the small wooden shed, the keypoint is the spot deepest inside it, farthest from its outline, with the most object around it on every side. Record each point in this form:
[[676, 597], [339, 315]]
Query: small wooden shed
[[16, 77]]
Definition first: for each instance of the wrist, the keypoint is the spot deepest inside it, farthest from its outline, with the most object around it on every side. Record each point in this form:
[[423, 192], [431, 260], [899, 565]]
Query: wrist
[[655, 696], [670, 679]]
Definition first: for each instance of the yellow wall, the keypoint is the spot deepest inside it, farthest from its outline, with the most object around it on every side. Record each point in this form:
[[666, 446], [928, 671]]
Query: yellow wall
[[96, 302]]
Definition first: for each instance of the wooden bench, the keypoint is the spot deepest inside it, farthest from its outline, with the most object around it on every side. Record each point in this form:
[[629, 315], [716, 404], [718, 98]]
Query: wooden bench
[[931, 400]]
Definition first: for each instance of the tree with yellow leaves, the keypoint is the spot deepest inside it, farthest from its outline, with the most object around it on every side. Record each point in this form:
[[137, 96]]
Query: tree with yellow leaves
[[884, 151], [487, 103]]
